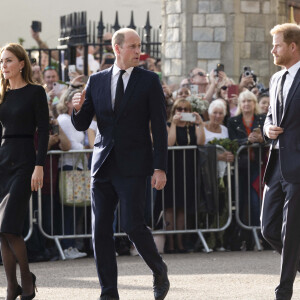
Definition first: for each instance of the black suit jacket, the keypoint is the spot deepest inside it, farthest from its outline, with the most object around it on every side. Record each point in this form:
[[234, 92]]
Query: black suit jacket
[[128, 132], [289, 140]]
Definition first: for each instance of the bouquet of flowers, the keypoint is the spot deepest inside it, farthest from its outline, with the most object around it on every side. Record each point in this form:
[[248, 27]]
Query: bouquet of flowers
[[227, 144], [198, 105]]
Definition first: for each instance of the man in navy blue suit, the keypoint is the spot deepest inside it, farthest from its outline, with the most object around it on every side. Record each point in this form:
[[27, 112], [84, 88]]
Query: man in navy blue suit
[[280, 217], [127, 101]]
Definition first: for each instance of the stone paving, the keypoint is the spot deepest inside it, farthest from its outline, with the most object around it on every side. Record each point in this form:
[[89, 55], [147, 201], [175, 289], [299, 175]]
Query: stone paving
[[197, 276]]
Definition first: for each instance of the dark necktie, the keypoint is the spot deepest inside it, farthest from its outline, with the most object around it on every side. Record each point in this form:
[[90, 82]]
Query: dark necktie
[[280, 98], [119, 92]]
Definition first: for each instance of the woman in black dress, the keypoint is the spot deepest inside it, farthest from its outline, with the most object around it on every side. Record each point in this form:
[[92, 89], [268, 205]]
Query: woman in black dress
[[23, 109], [181, 133]]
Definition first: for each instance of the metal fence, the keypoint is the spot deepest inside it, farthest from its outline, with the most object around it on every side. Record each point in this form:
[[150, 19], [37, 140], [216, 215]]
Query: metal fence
[[196, 219], [250, 162], [200, 217], [77, 32]]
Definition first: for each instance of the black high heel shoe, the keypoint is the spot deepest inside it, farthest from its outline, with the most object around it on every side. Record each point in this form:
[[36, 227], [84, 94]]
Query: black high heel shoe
[[30, 297], [18, 292]]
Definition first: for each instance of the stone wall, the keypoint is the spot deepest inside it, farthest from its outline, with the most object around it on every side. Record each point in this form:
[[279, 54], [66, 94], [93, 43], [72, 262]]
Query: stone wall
[[205, 32]]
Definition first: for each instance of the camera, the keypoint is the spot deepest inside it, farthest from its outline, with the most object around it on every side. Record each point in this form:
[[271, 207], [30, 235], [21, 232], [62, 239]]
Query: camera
[[36, 26], [220, 67], [247, 71]]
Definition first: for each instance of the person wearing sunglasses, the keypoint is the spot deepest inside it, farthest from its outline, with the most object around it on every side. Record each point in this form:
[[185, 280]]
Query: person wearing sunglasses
[[198, 77], [181, 133]]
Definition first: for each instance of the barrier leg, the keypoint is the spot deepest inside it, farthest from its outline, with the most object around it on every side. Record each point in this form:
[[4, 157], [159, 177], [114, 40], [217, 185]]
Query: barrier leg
[[203, 241], [256, 239], [60, 250]]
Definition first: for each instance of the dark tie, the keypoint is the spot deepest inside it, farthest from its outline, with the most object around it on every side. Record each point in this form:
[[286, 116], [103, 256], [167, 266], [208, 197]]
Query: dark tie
[[119, 92], [280, 98]]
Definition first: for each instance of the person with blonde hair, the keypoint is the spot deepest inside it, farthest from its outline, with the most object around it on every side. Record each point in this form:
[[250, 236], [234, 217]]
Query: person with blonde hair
[[280, 220], [246, 127], [23, 110], [181, 133]]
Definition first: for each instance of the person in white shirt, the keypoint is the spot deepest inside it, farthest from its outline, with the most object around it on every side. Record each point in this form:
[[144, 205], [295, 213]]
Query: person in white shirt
[[69, 162]]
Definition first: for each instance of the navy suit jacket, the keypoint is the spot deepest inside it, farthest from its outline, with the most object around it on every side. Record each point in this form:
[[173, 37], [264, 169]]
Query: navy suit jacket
[[289, 140], [128, 132]]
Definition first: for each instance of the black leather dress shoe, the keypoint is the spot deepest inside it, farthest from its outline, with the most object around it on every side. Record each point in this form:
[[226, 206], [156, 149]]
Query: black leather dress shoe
[[106, 297], [161, 284]]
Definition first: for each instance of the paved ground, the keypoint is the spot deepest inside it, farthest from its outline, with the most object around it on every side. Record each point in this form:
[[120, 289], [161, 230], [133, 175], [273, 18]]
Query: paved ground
[[198, 276]]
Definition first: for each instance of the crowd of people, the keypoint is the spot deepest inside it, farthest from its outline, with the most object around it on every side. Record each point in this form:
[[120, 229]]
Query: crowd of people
[[130, 135], [220, 108]]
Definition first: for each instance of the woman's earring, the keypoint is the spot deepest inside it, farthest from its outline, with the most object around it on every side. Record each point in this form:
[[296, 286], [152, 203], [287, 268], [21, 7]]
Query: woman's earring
[[20, 70]]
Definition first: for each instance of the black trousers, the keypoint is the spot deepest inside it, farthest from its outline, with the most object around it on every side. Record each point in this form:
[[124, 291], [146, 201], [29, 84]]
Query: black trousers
[[107, 188], [280, 224]]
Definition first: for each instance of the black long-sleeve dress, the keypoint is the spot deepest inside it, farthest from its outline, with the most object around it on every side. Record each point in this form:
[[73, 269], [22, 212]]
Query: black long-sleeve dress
[[185, 136], [22, 112]]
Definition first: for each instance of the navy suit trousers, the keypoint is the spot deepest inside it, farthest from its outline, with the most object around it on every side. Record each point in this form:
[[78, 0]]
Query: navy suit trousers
[[107, 188], [280, 224]]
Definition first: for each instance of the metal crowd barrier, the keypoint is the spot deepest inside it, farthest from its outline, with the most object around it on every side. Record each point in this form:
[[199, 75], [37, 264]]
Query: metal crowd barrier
[[249, 164], [201, 225], [30, 221]]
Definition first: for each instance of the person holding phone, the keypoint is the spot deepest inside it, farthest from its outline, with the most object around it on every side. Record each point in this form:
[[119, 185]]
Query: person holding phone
[[246, 127], [182, 131], [67, 162]]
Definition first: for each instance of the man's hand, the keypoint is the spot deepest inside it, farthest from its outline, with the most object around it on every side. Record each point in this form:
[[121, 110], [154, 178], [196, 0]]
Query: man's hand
[[78, 100], [159, 179], [273, 132]]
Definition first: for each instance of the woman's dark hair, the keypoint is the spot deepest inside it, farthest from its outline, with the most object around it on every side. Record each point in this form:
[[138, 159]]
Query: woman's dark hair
[[21, 54]]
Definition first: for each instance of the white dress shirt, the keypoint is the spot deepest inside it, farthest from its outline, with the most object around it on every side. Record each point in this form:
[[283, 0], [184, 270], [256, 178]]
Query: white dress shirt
[[114, 80], [289, 80], [287, 86]]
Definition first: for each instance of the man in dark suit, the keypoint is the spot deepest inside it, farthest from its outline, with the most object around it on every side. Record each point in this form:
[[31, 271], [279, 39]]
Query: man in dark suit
[[126, 100], [280, 217]]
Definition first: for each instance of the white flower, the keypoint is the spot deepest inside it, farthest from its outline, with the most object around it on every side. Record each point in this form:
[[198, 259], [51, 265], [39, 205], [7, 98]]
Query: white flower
[[198, 105]]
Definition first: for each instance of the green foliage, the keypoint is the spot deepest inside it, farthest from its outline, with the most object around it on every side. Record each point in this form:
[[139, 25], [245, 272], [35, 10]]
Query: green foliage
[[21, 41], [227, 144]]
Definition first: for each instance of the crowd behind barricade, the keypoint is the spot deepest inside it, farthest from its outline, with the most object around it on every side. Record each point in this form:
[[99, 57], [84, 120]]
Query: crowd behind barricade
[[206, 107]]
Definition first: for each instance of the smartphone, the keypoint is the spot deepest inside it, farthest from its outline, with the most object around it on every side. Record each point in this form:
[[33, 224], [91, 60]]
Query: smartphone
[[256, 130], [55, 129], [194, 89], [58, 87], [188, 117], [233, 90], [36, 26], [72, 68]]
